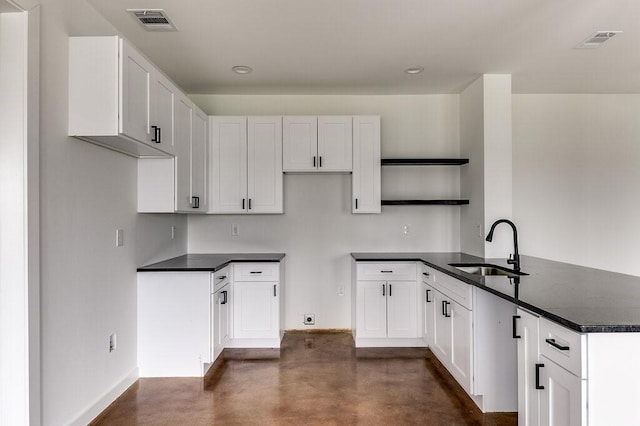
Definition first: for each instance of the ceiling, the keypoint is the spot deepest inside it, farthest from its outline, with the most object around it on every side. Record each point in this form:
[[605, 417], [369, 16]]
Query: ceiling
[[364, 46]]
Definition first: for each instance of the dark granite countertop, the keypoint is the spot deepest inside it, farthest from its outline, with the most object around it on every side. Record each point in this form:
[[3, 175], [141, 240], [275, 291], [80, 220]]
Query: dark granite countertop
[[208, 262], [584, 299]]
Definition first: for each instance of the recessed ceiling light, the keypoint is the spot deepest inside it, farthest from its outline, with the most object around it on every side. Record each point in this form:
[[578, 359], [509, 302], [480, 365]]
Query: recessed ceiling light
[[241, 69], [414, 70]]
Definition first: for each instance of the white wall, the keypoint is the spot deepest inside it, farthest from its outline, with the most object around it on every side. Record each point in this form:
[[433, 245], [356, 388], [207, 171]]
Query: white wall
[[88, 285], [485, 128], [576, 163], [317, 231]]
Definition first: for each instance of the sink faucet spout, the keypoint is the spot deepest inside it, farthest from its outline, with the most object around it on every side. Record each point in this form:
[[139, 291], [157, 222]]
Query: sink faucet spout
[[515, 260]]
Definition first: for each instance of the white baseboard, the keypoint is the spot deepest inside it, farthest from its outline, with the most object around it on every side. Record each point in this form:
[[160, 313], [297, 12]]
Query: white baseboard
[[105, 400]]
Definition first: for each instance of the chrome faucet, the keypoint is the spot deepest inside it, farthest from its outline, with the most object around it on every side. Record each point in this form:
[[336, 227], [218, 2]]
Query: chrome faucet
[[515, 260]]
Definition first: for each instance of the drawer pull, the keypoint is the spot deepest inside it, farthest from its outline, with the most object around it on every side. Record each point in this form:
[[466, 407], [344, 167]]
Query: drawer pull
[[386, 272], [538, 367], [427, 294], [553, 343], [256, 272], [426, 274], [222, 277], [224, 301], [515, 334]]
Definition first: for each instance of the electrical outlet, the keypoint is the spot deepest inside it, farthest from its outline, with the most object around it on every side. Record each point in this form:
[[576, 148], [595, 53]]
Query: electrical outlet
[[119, 237], [406, 229], [113, 342], [235, 229], [173, 232], [340, 290], [479, 230], [309, 319]]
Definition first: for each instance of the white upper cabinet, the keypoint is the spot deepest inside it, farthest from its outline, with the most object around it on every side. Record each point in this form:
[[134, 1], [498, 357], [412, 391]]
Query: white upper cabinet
[[199, 161], [335, 144], [264, 165], [312, 143], [163, 94], [246, 165], [228, 164], [183, 109], [111, 95], [366, 183]]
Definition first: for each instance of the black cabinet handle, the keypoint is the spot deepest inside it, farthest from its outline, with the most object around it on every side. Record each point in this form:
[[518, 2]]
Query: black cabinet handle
[[224, 301], [514, 334], [426, 274], [156, 134], [320, 161], [222, 277], [538, 367], [195, 202], [255, 272], [314, 161], [427, 295], [249, 203], [383, 290], [445, 311], [356, 204], [274, 291], [553, 343], [243, 204], [159, 134], [386, 272], [389, 290]]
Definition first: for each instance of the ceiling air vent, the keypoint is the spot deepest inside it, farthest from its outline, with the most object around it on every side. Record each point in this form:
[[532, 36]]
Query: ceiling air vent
[[153, 19], [597, 39]]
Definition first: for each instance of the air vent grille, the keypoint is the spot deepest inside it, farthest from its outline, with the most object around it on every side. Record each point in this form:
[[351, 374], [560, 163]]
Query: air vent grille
[[597, 39], [153, 19]]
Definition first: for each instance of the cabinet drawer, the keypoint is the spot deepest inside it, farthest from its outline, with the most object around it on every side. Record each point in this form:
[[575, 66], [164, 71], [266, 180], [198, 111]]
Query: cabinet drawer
[[256, 271], [386, 271], [455, 289], [221, 278], [563, 346], [427, 274]]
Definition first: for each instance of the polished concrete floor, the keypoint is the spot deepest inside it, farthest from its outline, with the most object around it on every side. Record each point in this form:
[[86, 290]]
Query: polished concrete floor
[[318, 380]]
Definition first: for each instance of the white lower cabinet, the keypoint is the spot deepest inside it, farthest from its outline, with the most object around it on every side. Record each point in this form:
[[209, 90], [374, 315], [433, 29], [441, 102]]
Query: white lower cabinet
[[467, 329], [221, 319], [256, 307], [550, 392], [173, 324], [387, 306]]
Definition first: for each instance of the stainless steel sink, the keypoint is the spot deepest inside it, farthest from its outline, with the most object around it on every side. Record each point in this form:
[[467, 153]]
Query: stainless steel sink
[[486, 269]]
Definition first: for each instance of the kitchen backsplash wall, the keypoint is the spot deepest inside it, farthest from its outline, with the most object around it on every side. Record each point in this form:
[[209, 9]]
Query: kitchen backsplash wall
[[317, 230]]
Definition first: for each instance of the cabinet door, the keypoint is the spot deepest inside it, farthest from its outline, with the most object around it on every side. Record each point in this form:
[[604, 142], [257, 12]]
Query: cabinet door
[[563, 401], [163, 94], [528, 356], [199, 161], [366, 165], [228, 164], [461, 345], [255, 310], [183, 127], [264, 166], [442, 330], [402, 316], [429, 314], [335, 144], [371, 309], [299, 143], [220, 303], [135, 73]]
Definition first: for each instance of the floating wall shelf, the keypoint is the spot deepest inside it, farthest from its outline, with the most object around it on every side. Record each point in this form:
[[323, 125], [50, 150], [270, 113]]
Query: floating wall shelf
[[424, 202], [424, 161]]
